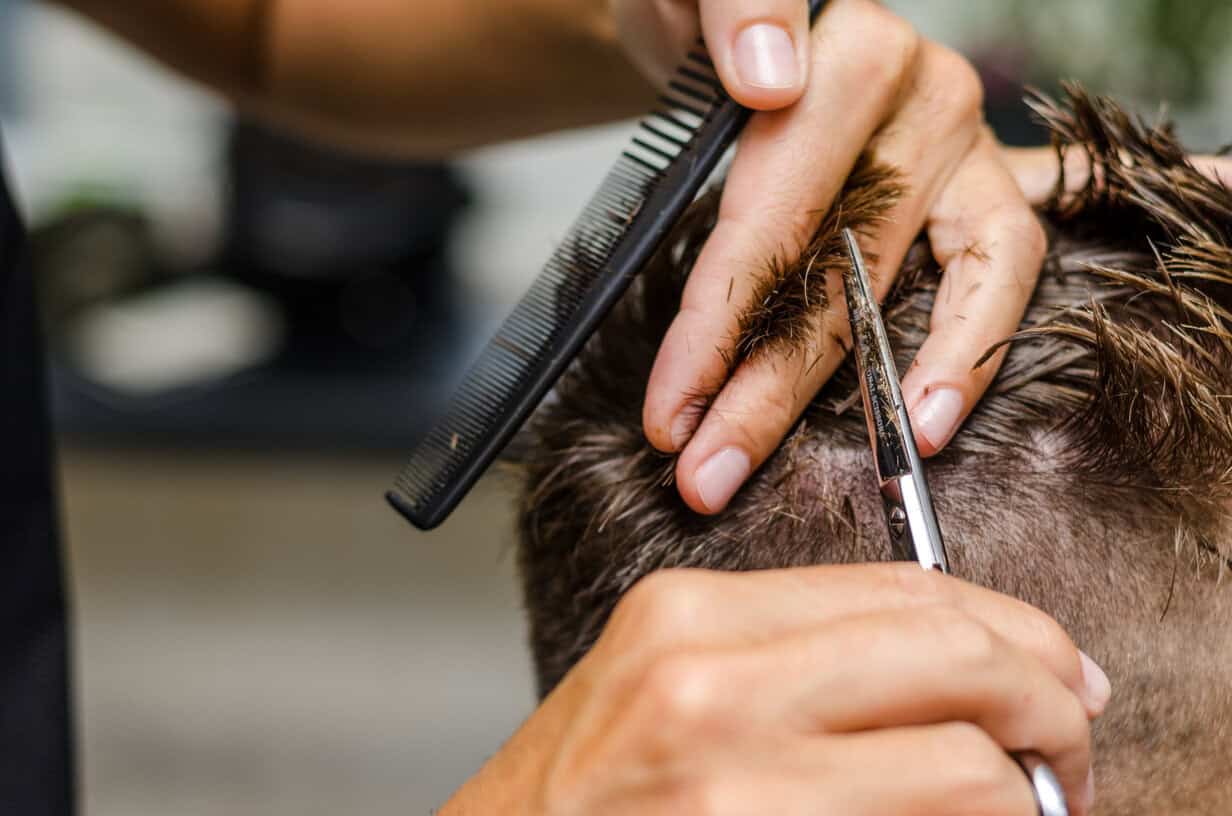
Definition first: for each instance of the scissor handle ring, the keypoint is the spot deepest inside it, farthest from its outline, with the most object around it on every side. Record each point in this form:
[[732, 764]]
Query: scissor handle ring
[[1049, 796]]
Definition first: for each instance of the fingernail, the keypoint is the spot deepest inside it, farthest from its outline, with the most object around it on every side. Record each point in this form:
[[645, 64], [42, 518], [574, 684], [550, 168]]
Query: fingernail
[[765, 57], [1098, 689], [720, 476], [683, 427], [1088, 795], [936, 416]]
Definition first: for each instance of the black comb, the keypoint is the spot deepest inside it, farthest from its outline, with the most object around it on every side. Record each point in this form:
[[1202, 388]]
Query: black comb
[[673, 152]]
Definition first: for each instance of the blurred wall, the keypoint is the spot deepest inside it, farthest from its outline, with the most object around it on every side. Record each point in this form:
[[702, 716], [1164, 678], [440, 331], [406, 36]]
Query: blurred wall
[[259, 634]]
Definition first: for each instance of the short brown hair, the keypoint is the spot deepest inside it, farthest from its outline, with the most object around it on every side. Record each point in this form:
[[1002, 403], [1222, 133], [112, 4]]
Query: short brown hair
[[1092, 480]]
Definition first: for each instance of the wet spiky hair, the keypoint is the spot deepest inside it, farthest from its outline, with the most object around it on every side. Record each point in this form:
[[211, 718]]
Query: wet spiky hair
[[1155, 411], [1099, 461]]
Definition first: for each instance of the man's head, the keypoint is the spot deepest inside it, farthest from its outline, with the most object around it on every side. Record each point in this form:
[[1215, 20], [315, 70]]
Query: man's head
[[1093, 480]]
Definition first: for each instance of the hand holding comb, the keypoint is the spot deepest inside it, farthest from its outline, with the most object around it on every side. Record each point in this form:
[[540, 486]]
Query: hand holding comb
[[675, 149]]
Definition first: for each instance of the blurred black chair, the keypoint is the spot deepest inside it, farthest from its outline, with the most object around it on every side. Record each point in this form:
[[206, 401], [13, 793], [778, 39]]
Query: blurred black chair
[[353, 248], [352, 255]]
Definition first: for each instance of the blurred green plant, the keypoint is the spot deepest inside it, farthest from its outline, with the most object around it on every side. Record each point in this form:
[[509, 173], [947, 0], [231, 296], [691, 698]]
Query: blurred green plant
[[1193, 35], [1170, 49]]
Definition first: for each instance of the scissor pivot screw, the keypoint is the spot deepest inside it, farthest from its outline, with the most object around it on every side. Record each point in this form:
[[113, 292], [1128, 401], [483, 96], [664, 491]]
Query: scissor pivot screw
[[898, 521]]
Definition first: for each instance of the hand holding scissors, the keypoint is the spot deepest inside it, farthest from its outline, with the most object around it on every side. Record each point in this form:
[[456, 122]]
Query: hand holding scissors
[[912, 522]]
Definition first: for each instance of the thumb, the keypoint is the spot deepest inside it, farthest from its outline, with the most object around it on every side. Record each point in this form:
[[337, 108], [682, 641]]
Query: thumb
[[759, 49]]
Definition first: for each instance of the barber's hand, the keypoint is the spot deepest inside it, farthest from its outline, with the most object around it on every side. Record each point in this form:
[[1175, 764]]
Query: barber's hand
[[871, 689], [862, 78]]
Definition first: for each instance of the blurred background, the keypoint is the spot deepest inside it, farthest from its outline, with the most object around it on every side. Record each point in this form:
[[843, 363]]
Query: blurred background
[[246, 335]]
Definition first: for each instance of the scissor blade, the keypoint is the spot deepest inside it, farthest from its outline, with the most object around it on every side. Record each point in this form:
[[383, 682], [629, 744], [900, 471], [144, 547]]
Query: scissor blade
[[883, 398], [914, 533]]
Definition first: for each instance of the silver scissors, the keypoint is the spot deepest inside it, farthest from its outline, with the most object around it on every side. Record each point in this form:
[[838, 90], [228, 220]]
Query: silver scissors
[[914, 532]]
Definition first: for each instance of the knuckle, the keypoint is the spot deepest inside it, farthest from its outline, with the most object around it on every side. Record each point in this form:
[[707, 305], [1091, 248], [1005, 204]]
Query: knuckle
[[780, 226], [1018, 226], [886, 64], [668, 706], [1074, 729], [1052, 643], [666, 601], [779, 405], [920, 584], [970, 643], [771, 419], [960, 82], [798, 222], [965, 743], [980, 765], [703, 796], [679, 694], [565, 786], [759, 420]]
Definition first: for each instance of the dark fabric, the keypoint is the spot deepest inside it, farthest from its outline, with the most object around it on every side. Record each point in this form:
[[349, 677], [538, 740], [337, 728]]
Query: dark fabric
[[36, 777]]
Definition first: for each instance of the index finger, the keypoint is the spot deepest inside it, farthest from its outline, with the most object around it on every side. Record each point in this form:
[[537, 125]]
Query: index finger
[[700, 608], [771, 205]]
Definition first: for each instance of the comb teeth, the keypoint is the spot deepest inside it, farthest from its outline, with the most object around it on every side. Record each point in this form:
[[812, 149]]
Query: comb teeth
[[621, 226]]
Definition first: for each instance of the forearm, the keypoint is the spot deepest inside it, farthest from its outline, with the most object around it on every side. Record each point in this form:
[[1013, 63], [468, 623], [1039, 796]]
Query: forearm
[[414, 77]]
